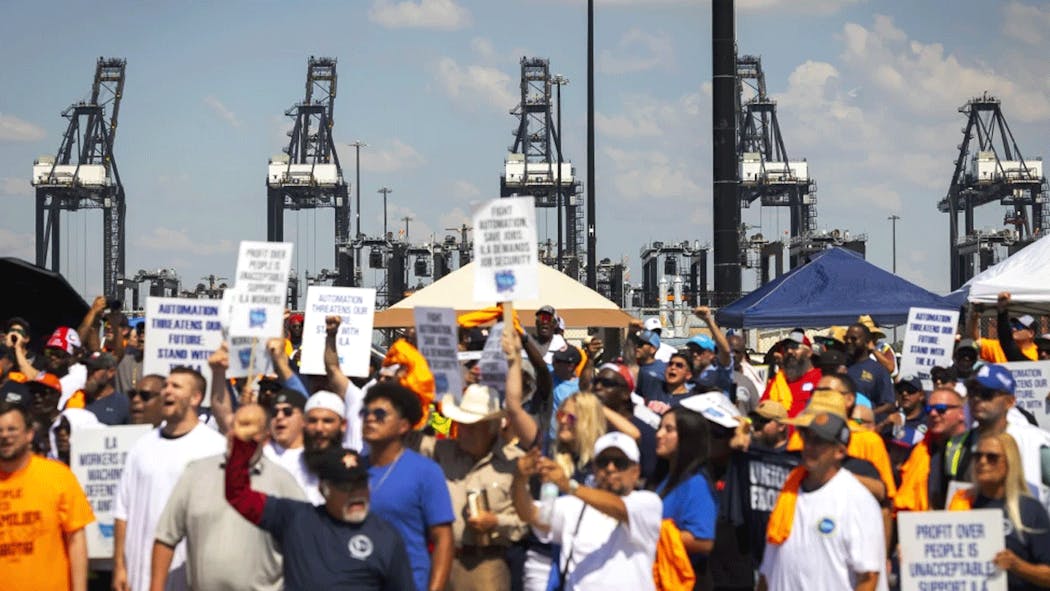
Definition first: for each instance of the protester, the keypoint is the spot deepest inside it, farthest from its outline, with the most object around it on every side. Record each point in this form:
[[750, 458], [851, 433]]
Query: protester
[[547, 340], [151, 470], [100, 394], [650, 370], [748, 383], [197, 511], [871, 378], [965, 360], [676, 383], [286, 443], [1000, 483], [794, 383], [607, 533], [906, 426], [325, 428], [145, 404], [408, 489], [129, 370], [939, 460], [613, 386], [565, 381], [340, 545], [353, 397], [45, 391], [881, 351], [824, 532], [1015, 335], [43, 545], [768, 430]]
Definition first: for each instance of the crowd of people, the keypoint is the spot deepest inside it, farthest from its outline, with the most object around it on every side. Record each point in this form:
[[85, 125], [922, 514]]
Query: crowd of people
[[585, 467]]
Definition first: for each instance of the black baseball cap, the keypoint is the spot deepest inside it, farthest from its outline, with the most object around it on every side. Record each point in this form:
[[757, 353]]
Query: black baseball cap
[[289, 396], [15, 393], [342, 467], [909, 384], [830, 427], [568, 354]]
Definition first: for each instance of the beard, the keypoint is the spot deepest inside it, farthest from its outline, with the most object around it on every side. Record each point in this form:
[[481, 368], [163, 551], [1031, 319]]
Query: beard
[[315, 446], [795, 368], [355, 516]]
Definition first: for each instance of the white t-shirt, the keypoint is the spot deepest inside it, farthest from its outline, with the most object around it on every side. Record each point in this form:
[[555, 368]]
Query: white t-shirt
[[293, 461], [836, 533], [71, 382], [605, 553], [152, 468], [664, 352], [1030, 441]]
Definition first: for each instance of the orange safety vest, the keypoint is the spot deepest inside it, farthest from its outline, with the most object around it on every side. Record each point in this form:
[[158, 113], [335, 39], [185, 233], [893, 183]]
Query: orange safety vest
[[672, 570], [914, 492]]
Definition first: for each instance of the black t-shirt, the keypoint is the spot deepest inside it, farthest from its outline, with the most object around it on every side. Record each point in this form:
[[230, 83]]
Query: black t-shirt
[[111, 410], [322, 553], [1034, 547]]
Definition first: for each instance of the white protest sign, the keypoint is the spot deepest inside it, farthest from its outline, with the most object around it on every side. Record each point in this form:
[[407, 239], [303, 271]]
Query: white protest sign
[[928, 342], [505, 254], [181, 332], [356, 306], [261, 289], [493, 363], [242, 361], [96, 458], [1033, 386], [437, 338], [956, 546]]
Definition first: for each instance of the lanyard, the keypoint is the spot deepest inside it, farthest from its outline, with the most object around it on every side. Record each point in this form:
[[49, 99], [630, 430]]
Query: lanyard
[[953, 454]]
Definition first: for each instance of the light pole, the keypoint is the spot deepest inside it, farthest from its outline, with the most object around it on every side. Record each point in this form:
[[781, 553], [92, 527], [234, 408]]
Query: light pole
[[560, 81], [358, 144], [592, 238], [385, 191], [893, 221]]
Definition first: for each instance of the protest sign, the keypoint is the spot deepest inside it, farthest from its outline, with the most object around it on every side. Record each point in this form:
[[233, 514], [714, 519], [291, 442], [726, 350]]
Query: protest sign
[[261, 289], [505, 253], [1033, 386], [242, 361], [437, 338], [96, 458], [493, 363], [181, 332], [356, 306], [928, 342], [956, 546]]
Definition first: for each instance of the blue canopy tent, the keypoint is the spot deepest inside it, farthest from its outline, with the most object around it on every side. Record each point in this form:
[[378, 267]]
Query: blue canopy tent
[[834, 288]]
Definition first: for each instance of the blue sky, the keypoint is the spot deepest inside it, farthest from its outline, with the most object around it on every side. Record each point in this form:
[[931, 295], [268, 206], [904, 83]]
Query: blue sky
[[867, 92]]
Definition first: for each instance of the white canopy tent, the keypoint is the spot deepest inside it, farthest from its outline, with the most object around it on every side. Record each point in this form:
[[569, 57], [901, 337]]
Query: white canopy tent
[[577, 305], [1026, 275]]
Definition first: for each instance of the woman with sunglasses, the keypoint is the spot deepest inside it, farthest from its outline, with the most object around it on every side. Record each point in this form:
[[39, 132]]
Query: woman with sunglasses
[[689, 498], [999, 483]]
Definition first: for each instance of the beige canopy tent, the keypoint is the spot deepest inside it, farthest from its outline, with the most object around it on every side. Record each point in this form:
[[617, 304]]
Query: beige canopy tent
[[578, 305]]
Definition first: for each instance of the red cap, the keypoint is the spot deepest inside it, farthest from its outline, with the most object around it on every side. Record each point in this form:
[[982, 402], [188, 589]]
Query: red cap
[[624, 372], [65, 339]]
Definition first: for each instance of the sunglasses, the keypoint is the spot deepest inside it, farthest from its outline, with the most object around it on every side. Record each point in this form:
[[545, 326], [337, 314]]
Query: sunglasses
[[608, 383], [991, 458], [621, 463], [941, 408], [561, 415], [380, 414], [145, 395], [544, 317], [1018, 326], [284, 411]]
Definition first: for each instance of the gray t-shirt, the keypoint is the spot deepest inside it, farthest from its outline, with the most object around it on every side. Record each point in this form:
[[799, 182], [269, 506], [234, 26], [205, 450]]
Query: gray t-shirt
[[217, 537]]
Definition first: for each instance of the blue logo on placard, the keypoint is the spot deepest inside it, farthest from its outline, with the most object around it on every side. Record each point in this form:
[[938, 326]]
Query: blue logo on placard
[[245, 356], [441, 383], [826, 526], [257, 317], [106, 530], [505, 281]]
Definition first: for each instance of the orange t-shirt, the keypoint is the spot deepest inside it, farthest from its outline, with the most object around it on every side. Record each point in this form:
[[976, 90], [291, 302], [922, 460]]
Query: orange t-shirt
[[39, 504], [992, 351]]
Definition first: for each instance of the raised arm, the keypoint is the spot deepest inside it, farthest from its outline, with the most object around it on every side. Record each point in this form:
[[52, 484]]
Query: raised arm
[[337, 380], [247, 431], [221, 405], [520, 421], [1004, 330], [519, 489], [704, 313], [544, 382], [88, 329]]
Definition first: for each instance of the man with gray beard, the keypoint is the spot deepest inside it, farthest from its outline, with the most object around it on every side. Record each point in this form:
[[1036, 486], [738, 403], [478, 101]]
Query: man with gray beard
[[794, 383]]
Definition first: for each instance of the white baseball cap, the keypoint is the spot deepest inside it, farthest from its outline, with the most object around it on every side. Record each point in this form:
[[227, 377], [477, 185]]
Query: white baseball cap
[[328, 401], [653, 323], [621, 442], [715, 407]]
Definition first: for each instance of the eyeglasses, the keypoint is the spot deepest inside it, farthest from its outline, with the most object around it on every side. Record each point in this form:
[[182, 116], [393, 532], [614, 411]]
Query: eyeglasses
[[941, 408], [145, 395], [991, 458], [609, 383], [285, 411], [621, 463], [561, 415], [380, 414], [678, 364]]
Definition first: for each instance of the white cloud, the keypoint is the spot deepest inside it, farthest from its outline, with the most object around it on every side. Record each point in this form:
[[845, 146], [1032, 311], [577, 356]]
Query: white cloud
[[15, 187], [391, 156], [17, 244], [178, 241], [424, 14], [13, 129], [1027, 23], [465, 190], [474, 85], [483, 47], [637, 51], [222, 110], [651, 174]]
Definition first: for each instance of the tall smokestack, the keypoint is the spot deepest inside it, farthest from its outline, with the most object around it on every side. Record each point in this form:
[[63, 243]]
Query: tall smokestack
[[724, 161]]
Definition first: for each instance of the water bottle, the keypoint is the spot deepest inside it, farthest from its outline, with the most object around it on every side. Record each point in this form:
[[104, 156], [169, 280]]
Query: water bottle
[[548, 493]]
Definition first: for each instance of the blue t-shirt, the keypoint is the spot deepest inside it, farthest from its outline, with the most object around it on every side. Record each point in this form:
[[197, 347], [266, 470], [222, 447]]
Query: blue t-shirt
[[413, 498], [562, 390], [114, 409], [873, 381], [322, 553], [652, 372], [718, 375], [693, 508]]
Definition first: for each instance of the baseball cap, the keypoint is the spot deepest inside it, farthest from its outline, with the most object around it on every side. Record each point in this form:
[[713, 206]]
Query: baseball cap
[[15, 393], [342, 466], [547, 309], [291, 397], [647, 337], [829, 427], [569, 354], [1026, 321], [909, 383], [653, 323], [64, 338], [702, 341], [966, 344], [799, 336], [46, 380], [326, 400], [831, 358], [1042, 341], [621, 442], [771, 410], [100, 360], [715, 407], [996, 377], [624, 372]]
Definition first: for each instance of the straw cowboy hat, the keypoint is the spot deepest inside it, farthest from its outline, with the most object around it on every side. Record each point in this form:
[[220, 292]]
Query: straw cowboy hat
[[479, 403]]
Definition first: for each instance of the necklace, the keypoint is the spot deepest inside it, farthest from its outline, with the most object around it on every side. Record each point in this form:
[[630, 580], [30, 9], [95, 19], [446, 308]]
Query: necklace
[[388, 471]]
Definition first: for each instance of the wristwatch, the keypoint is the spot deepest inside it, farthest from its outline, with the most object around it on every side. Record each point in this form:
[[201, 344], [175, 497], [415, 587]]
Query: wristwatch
[[573, 485]]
